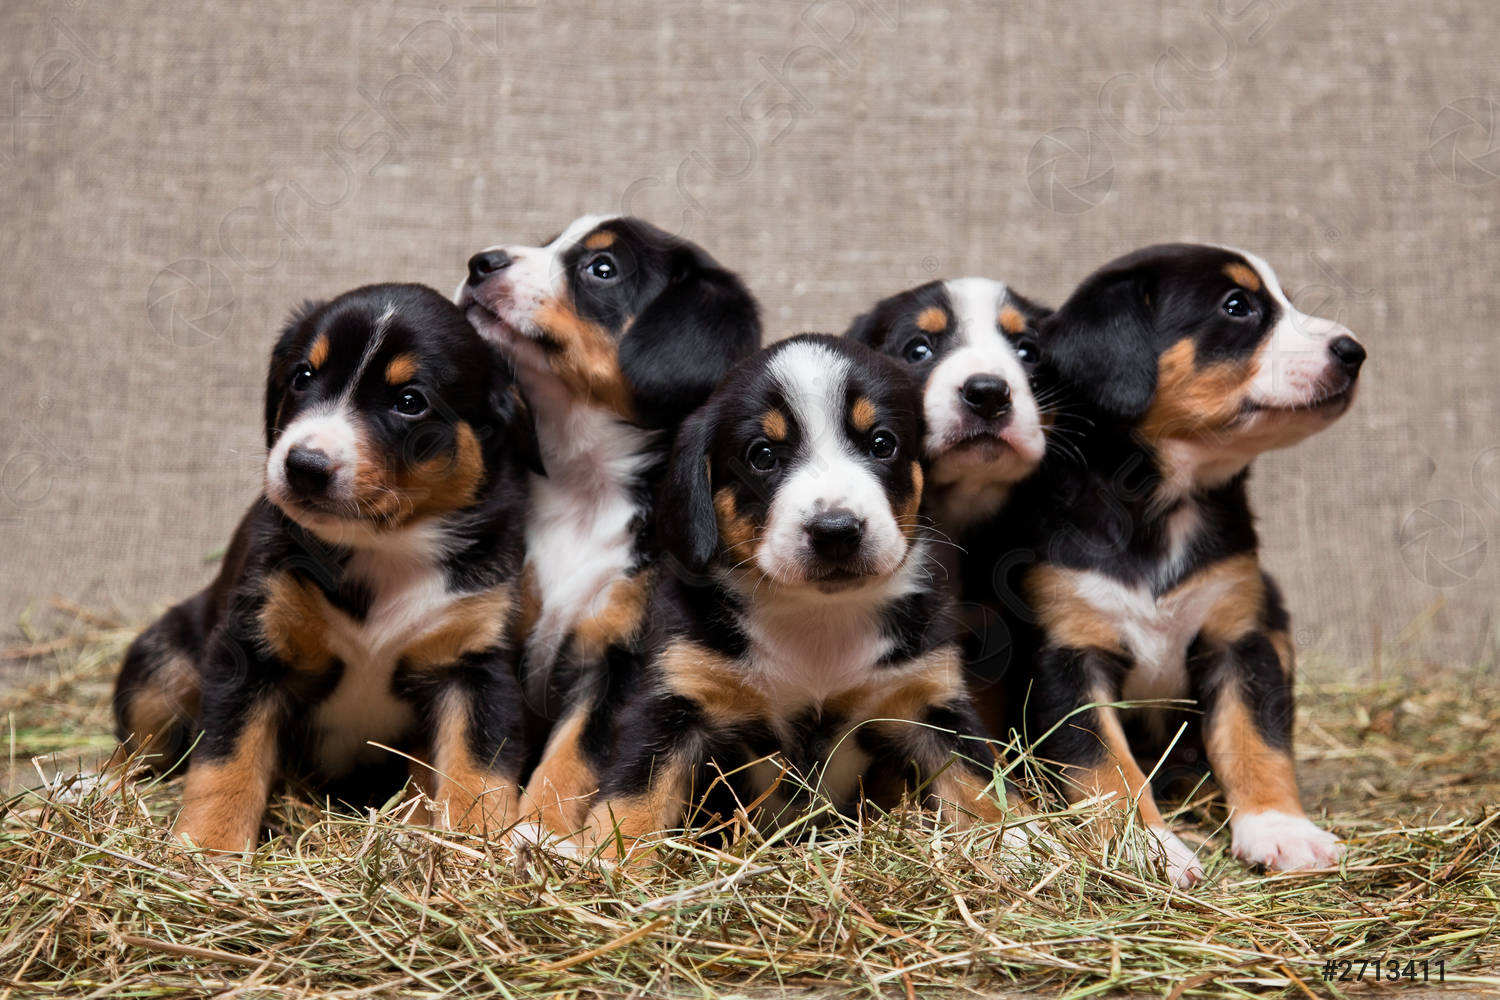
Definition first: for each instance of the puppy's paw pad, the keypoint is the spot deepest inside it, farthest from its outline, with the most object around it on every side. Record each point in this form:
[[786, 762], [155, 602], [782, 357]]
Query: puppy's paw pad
[[1283, 842]]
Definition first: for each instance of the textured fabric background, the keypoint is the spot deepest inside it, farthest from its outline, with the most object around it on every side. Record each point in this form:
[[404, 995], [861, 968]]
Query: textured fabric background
[[174, 182]]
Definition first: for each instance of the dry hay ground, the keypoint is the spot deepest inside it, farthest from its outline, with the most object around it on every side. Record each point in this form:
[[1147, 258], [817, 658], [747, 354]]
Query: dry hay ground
[[93, 901]]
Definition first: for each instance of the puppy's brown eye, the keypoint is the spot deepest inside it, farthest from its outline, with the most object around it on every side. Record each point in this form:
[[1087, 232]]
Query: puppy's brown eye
[[762, 457], [917, 350], [1027, 350], [302, 377], [883, 444], [1238, 305], [411, 403], [603, 267]]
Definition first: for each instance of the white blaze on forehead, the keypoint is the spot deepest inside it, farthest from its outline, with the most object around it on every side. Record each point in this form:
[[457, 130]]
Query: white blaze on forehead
[[1295, 357], [826, 472]]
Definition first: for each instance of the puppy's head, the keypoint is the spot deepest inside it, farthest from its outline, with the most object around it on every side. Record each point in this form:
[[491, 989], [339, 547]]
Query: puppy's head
[[1199, 349], [803, 468], [383, 408], [973, 344], [615, 313]]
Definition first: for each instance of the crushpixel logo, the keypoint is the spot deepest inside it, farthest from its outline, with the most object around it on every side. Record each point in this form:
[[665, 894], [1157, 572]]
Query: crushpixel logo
[[1070, 170], [190, 302], [1443, 543], [1464, 142]]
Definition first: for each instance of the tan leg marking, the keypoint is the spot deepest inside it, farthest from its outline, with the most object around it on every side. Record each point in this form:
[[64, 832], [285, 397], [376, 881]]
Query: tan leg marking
[[168, 699], [468, 793], [1068, 618], [659, 808], [472, 624], [223, 800], [294, 622], [1255, 777], [1240, 608], [619, 617], [562, 787]]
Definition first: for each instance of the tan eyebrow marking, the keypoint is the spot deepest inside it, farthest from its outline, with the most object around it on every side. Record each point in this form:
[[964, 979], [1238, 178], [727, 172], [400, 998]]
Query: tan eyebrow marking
[[1243, 275], [862, 414], [602, 240], [774, 424], [932, 320], [1011, 320], [319, 352], [401, 369]]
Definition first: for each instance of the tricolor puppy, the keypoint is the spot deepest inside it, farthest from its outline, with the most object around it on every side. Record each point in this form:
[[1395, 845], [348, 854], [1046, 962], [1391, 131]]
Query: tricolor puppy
[[1185, 362], [366, 595], [972, 342], [617, 331], [973, 345], [801, 631]]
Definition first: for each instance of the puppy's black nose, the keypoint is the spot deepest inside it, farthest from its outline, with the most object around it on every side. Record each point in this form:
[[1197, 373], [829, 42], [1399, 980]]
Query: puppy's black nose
[[482, 265], [835, 534], [986, 395], [1349, 352], [308, 471]]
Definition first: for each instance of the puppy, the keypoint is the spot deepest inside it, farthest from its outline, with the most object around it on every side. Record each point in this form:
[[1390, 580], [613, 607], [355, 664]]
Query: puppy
[[973, 344], [365, 595], [801, 629], [617, 331], [1134, 562]]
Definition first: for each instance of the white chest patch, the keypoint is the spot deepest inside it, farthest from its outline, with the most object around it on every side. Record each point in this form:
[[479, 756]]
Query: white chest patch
[[580, 537], [411, 597]]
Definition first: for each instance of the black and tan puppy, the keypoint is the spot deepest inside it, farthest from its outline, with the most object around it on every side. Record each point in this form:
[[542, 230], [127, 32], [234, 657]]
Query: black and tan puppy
[[617, 331], [801, 630], [366, 595], [1134, 562]]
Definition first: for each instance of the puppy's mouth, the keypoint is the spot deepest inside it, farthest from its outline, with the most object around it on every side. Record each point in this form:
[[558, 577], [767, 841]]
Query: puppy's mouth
[[486, 320], [1325, 403]]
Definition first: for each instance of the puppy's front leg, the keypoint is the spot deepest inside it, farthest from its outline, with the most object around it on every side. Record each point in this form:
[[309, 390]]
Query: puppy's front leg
[[477, 749], [1089, 746], [230, 771], [1246, 692], [648, 785]]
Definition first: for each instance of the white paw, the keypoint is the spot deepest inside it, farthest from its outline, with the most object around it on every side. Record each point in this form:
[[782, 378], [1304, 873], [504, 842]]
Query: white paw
[[1283, 842], [1181, 860]]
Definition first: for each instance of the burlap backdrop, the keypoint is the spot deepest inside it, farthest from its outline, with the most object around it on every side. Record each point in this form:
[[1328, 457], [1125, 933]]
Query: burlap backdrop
[[175, 181]]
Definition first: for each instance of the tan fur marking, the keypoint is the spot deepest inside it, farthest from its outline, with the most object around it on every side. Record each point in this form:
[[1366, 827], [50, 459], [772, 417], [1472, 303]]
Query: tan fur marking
[[1243, 275], [906, 513], [932, 320], [967, 794], [170, 697], [736, 531], [562, 787], [530, 608], [660, 807], [401, 369], [1068, 619], [711, 681], [472, 624], [318, 353], [624, 605], [601, 240], [1241, 608], [1118, 773], [1254, 776], [223, 800], [862, 414], [293, 622], [1011, 320], [468, 794], [442, 484], [587, 359], [1193, 401], [773, 424]]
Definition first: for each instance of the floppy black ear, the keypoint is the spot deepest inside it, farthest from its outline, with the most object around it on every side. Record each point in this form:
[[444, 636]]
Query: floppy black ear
[[516, 425], [282, 358], [1101, 341], [686, 524], [685, 342]]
